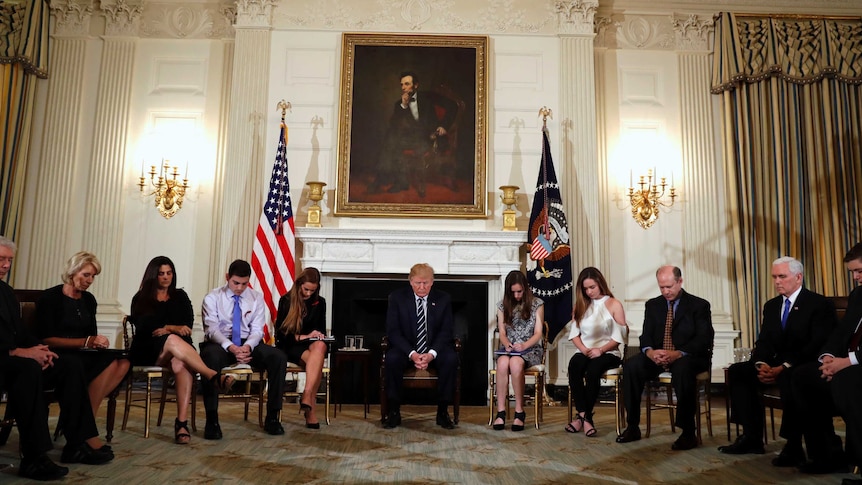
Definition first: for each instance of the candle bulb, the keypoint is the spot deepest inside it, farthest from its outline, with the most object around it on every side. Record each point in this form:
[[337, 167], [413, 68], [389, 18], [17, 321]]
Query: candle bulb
[[631, 180], [187, 170]]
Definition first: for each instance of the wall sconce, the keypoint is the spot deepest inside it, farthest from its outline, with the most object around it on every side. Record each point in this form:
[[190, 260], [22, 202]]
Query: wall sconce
[[168, 190], [648, 197]]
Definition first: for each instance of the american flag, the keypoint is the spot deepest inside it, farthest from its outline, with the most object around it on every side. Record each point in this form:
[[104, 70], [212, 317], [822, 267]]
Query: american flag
[[272, 262]]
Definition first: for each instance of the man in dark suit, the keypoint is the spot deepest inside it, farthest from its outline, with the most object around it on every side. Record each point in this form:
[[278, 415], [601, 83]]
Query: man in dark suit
[[418, 128], [834, 384], [26, 368], [683, 349], [796, 324], [420, 329]]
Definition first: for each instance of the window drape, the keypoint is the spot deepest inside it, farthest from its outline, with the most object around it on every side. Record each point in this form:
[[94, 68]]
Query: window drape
[[23, 58], [791, 98]]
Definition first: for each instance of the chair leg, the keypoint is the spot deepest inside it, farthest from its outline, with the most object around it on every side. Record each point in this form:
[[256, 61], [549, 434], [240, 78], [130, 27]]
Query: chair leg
[[162, 400], [648, 410], [128, 404], [619, 410], [670, 407], [147, 407], [111, 415], [538, 398], [492, 395], [326, 408]]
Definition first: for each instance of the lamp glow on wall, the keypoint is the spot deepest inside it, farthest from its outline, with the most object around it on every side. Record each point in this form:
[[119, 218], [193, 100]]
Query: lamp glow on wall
[[647, 192], [174, 140]]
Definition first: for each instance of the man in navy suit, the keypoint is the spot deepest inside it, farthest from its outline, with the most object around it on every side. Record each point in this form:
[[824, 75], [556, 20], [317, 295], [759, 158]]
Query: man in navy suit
[[796, 324], [420, 329], [683, 350], [833, 384]]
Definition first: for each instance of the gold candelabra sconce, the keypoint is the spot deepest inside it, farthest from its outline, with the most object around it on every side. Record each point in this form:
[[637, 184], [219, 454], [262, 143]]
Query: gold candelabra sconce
[[648, 196], [167, 188], [315, 195], [508, 199]]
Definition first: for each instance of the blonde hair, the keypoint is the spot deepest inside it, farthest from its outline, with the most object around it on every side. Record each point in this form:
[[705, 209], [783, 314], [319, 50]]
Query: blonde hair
[[421, 269], [77, 262]]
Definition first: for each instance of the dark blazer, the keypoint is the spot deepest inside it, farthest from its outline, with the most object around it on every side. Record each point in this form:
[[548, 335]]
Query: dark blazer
[[812, 318], [401, 321], [692, 325], [839, 341], [13, 334], [434, 111]]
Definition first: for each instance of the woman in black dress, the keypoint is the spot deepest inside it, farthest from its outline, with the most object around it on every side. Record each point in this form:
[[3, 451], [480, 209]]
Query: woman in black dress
[[300, 323], [66, 322], [163, 317]]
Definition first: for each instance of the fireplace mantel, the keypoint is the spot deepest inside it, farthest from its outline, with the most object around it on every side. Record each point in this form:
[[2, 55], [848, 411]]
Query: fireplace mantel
[[394, 251]]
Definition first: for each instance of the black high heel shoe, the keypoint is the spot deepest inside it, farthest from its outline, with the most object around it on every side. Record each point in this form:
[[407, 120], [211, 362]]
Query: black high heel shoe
[[304, 409], [521, 416], [500, 415]]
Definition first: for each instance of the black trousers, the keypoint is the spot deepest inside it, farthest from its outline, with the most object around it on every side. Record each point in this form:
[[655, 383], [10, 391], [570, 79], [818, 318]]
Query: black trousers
[[25, 382], [747, 406], [813, 397], [446, 364], [846, 387], [263, 356], [639, 369], [585, 375]]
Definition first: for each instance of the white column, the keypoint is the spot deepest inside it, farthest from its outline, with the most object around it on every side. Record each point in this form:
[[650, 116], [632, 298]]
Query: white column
[[104, 224], [704, 224], [50, 241], [581, 174], [244, 177]]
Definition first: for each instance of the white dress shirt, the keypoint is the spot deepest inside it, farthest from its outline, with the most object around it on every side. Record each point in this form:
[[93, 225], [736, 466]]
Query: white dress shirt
[[218, 316]]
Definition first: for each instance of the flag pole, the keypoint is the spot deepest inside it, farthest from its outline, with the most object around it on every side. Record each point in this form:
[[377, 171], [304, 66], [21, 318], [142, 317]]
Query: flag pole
[[546, 113]]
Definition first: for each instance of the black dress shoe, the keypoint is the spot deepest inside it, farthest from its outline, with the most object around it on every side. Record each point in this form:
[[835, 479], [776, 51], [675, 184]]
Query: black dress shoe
[[212, 431], [823, 467], [791, 455], [393, 420], [41, 468], [444, 421], [743, 445], [83, 453], [273, 427], [686, 441], [632, 433]]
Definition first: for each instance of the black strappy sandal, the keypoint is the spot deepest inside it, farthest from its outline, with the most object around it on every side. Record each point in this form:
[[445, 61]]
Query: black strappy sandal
[[523, 417], [500, 415], [591, 431], [181, 432], [572, 428]]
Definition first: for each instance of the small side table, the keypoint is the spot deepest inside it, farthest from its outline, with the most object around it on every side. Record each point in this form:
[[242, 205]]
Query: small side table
[[341, 357]]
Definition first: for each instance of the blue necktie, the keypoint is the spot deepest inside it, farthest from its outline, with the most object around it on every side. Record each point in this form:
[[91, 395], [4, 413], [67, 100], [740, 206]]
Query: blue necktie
[[236, 333], [422, 327], [785, 314]]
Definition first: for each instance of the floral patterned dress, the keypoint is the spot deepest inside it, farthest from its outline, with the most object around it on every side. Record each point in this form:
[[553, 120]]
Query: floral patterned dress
[[521, 330]]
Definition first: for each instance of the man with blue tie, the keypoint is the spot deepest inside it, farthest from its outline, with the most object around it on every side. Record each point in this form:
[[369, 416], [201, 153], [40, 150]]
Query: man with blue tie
[[420, 329], [796, 324], [234, 316]]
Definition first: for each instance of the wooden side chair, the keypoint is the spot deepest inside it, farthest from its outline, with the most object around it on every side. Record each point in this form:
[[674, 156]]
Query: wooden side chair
[[324, 392], [536, 372], [419, 379], [245, 376], [142, 377], [704, 404]]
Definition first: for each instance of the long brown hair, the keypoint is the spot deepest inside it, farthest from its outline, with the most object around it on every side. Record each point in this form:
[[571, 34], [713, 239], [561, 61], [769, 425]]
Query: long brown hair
[[298, 310], [510, 304], [582, 301], [147, 297]]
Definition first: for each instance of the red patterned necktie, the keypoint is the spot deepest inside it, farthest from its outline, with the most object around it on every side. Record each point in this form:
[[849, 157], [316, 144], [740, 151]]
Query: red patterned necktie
[[668, 328]]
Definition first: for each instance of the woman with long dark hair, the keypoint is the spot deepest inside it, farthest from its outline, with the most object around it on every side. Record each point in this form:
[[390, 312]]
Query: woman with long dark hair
[[597, 330], [520, 319], [163, 318], [300, 326]]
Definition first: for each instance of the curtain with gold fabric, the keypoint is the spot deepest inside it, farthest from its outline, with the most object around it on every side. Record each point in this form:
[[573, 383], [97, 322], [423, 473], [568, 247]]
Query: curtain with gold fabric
[[23, 58], [791, 96]]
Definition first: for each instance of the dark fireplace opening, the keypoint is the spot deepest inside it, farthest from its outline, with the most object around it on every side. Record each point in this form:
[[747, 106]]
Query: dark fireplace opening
[[361, 310]]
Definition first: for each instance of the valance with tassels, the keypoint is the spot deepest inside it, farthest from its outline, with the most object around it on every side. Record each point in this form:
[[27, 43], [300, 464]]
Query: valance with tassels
[[24, 35], [797, 49]]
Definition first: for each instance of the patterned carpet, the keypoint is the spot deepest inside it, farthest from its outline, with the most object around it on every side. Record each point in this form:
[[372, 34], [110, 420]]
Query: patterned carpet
[[356, 450]]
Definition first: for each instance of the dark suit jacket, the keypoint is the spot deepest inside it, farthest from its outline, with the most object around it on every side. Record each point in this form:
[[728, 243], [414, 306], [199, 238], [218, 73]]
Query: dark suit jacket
[[13, 334], [812, 318], [434, 111], [401, 320], [839, 341], [692, 325]]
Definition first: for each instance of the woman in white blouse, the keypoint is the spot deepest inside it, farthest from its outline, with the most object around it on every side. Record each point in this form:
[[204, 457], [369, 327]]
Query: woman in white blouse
[[598, 328]]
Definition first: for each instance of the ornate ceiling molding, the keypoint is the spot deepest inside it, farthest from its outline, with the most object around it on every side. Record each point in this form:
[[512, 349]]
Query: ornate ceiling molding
[[692, 33], [189, 21], [122, 17], [71, 17], [575, 16], [254, 13]]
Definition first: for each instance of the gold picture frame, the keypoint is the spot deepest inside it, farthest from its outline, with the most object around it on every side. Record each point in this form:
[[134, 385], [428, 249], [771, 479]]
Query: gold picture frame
[[425, 158]]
